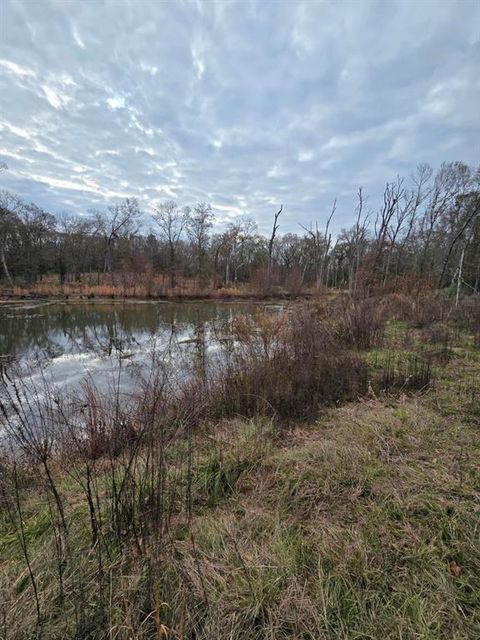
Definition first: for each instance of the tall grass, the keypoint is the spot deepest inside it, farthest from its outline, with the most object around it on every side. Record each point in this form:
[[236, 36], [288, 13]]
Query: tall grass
[[149, 286]]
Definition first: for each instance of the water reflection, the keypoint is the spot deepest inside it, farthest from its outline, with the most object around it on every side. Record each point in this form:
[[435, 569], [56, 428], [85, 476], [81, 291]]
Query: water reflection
[[69, 342]]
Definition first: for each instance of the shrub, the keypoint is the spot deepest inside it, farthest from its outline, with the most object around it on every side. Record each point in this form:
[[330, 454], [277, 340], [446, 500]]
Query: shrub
[[360, 324], [427, 310], [294, 281], [298, 366], [396, 306], [467, 314]]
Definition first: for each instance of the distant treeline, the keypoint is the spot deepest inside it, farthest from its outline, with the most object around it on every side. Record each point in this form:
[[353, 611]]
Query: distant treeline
[[427, 227]]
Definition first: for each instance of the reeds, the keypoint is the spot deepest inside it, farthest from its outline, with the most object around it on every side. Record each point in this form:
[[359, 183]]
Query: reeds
[[135, 286]]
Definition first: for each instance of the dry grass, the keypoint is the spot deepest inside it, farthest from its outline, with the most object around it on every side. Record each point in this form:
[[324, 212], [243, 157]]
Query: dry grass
[[133, 287], [146, 286]]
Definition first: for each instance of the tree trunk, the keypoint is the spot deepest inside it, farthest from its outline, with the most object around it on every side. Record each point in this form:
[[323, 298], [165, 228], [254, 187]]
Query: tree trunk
[[5, 266], [173, 283], [459, 277]]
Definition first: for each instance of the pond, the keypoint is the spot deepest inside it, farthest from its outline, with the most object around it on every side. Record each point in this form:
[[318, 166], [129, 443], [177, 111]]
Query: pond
[[69, 343]]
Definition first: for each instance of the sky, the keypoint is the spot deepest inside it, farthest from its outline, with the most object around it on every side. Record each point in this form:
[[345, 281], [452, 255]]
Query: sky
[[243, 104]]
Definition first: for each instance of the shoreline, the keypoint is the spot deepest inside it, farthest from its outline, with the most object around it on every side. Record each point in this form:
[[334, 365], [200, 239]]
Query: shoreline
[[250, 298]]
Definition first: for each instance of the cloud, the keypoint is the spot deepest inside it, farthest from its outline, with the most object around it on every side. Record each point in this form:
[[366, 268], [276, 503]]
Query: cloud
[[76, 36], [306, 155], [16, 69], [116, 102], [57, 99], [244, 104]]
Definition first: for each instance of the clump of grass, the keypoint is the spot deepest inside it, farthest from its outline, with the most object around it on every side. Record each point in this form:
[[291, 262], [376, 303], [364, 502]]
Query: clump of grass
[[220, 472], [442, 340], [403, 374]]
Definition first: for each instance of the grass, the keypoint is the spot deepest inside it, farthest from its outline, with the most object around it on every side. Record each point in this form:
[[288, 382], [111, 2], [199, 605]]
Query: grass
[[160, 289], [354, 529], [360, 523], [144, 287]]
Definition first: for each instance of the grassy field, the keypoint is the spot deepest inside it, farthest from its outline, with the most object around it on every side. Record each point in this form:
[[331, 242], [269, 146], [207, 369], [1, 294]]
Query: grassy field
[[362, 522]]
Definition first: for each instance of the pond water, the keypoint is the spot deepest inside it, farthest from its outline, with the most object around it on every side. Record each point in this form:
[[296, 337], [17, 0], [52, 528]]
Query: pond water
[[68, 343]]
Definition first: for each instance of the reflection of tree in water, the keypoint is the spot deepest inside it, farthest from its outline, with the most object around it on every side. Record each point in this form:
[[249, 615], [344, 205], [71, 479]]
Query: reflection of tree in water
[[111, 330], [222, 332], [199, 336], [72, 327]]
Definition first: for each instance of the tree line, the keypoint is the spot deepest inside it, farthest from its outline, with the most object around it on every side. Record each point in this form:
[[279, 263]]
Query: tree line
[[428, 226]]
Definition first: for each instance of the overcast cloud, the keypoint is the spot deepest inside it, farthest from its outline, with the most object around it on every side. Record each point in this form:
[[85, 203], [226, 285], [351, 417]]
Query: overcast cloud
[[242, 104]]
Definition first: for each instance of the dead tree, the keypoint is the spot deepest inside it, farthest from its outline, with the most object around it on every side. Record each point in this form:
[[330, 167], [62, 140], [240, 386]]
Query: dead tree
[[270, 243], [321, 246], [392, 195], [359, 235], [328, 240]]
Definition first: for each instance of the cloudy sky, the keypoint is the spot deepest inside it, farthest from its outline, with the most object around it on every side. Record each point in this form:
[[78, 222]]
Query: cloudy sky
[[242, 104]]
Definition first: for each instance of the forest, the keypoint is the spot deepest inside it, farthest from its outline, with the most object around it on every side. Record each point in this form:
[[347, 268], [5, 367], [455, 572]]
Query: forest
[[427, 228]]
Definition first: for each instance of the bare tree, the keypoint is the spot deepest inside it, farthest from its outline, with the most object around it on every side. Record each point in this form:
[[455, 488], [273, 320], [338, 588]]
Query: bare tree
[[359, 239], [120, 219], [237, 247], [328, 240], [320, 245], [464, 231], [419, 193], [448, 184], [271, 241], [171, 221], [198, 227], [394, 192], [74, 236], [10, 206]]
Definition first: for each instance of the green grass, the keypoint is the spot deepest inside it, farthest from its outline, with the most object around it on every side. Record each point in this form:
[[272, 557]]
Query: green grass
[[363, 524]]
